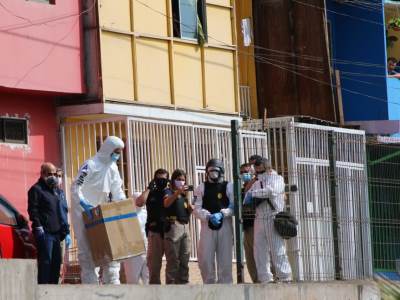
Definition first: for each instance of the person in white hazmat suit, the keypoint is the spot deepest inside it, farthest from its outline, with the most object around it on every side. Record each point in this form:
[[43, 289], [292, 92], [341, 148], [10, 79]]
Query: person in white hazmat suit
[[213, 200], [136, 267], [268, 191], [98, 178]]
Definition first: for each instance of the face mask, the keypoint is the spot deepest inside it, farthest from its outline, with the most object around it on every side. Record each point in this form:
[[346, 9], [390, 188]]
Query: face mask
[[246, 177], [213, 176], [115, 157], [59, 180], [52, 181], [260, 172], [161, 183], [178, 183]]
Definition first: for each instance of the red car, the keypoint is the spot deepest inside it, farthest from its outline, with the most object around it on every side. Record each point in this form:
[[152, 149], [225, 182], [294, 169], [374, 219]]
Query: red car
[[16, 239]]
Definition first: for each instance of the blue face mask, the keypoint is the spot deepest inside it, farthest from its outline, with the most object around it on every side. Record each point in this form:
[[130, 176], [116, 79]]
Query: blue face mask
[[246, 177], [115, 157]]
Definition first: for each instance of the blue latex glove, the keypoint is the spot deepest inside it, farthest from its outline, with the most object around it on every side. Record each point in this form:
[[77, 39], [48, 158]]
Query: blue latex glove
[[216, 218], [87, 207], [39, 233], [248, 199], [68, 241]]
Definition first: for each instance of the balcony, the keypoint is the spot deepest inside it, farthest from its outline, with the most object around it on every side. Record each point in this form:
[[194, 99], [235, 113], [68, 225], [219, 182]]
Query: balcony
[[245, 101]]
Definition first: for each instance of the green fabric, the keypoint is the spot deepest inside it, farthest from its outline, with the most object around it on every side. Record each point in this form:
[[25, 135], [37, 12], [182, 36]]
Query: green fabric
[[201, 38]]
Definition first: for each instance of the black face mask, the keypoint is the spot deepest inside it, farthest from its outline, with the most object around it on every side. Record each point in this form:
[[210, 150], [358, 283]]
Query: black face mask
[[260, 172], [161, 183], [51, 181]]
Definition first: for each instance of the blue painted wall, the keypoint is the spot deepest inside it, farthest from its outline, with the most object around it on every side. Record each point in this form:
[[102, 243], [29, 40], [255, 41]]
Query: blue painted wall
[[358, 35], [393, 98]]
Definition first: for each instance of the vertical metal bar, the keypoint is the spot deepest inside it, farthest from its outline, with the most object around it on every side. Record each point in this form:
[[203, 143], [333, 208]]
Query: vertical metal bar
[[71, 151], [64, 162], [84, 143], [101, 134], [333, 193], [129, 165], [77, 146], [89, 138], [122, 156], [238, 199]]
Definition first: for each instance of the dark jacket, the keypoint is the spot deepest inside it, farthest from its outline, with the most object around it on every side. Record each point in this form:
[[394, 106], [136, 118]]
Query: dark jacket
[[44, 208], [63, 207]]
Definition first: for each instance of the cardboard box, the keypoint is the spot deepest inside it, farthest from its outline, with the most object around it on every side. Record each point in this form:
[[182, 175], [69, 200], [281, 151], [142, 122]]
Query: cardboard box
[[114, 232]]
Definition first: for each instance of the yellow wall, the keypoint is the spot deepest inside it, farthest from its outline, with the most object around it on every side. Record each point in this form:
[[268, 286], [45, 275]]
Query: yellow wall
[[142, 61], [247, 69]]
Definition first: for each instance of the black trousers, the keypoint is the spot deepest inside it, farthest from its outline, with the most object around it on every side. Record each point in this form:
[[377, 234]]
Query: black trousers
[[49, 258]]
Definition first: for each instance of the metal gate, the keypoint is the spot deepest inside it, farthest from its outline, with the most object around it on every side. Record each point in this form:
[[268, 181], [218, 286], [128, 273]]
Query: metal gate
[[157, 144], [331, 204]]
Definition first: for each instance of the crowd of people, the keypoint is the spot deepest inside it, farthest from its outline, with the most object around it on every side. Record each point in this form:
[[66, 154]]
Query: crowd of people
[[164, 209]]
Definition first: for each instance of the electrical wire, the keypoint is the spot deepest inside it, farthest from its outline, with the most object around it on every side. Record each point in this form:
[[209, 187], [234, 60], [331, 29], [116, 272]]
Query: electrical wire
[[53, 47], [263, 60]]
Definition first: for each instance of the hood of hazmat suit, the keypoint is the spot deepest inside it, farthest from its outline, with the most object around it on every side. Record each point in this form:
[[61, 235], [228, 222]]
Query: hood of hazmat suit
[[99, 176]]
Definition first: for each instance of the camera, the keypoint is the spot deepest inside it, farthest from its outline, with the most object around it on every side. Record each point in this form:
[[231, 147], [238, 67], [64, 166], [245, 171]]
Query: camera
[[189, 188]]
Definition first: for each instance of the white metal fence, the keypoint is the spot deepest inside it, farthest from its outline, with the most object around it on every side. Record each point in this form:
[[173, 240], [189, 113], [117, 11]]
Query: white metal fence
[[332, 207], [157, 144]]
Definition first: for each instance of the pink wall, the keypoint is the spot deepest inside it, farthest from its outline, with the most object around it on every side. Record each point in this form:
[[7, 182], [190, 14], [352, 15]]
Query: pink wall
[[41, 56], [20, 165]]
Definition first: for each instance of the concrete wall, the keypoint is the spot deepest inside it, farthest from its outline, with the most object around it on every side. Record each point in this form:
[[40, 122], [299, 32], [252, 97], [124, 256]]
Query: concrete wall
[[17, 282]]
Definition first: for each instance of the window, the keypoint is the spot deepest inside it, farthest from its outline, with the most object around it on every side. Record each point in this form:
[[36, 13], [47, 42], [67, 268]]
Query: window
[[189, 19], [7, 216], [13, 130]]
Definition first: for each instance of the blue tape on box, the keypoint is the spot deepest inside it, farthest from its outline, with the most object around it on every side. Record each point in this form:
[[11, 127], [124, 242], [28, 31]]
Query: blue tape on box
[[111, 219]]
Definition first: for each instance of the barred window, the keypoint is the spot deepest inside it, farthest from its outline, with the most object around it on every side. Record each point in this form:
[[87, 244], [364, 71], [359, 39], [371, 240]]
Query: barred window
[[13, 130]]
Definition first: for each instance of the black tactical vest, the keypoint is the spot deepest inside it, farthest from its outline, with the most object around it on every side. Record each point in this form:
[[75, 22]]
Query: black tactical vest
[[155, 211], [178, 210], [215, 197]]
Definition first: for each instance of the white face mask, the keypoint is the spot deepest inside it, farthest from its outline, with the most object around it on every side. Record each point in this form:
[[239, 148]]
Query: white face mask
[[213, 174], [59, 181], [178, 183]]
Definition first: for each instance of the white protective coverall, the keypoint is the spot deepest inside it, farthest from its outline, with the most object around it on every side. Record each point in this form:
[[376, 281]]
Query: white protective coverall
[[267, 242], [136, 267], [215, 242], [97, 178]]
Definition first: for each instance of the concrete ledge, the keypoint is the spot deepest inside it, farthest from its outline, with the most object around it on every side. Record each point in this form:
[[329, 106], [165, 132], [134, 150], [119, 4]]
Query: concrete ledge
[[18, 282], [358, 290], [18, 279]]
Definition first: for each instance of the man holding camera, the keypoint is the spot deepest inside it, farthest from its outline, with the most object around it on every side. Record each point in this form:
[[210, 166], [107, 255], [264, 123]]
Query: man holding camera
[[153, 198]]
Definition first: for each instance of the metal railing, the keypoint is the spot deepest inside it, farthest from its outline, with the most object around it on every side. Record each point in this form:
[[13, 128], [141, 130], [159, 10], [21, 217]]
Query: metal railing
[[384, 189], [327, 164], [245, 101]]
